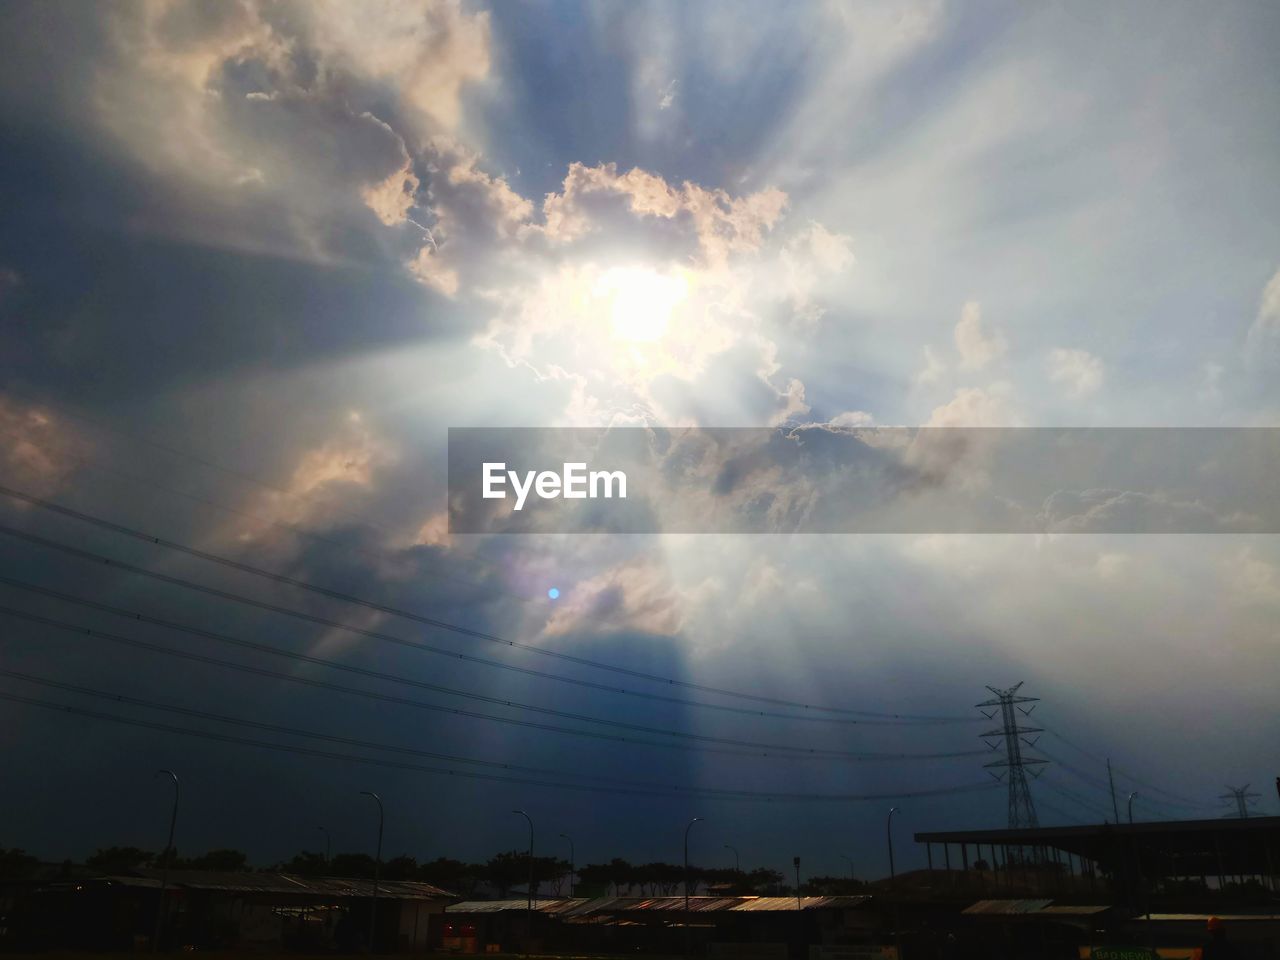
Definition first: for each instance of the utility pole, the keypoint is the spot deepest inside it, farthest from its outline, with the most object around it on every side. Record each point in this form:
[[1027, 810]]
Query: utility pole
[[1022, 810], [529, 908], [888, 833], [737, 862], [164, 866], [572, 862], [377, 869], [799, 906], [1112, 780], [687, 915], [328, 848], [1243, 798]]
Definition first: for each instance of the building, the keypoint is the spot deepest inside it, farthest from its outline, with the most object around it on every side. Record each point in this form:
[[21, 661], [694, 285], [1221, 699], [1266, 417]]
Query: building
[[209, 909]]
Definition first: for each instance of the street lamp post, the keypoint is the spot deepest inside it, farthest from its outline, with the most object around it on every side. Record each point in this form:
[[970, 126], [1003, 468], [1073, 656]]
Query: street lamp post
[[377, 869], [1131, 796], [737, 862], [572, 862], [164, 866], [848, 859], [686, 883], [328, 849], [888, 829], [529, 908]]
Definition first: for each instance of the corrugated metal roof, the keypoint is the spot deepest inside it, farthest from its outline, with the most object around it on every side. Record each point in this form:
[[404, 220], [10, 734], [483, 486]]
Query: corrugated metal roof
[[283, 883], [580, 907], [1072, 910], [499, 906], [1006, 907], [1224, 917]]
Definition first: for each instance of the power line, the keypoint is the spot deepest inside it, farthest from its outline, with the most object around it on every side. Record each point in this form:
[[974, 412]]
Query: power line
[[1160, 807], [779, 750], [220, 594], [442, 624], [1174, 798], [649, 790], [244, 477]]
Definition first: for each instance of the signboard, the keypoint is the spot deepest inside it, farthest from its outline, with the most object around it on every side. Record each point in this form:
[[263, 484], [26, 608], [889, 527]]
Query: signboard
[[1139, 953]]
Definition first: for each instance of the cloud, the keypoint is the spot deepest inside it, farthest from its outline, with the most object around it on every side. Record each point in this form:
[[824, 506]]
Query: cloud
[[427, 51], [1077, 370], [322, 481], [932, 370], [723, 224], [1129, 511], [977, 346], [40, 451], [635, 595], [810, 259], [1266, 325], [976, 407]]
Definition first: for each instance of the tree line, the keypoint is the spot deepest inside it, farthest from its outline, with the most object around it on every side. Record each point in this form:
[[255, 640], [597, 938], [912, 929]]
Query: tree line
[[502, 874]]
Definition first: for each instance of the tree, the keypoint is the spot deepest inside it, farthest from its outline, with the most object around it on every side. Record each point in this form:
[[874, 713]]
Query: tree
[[453, 875], [505, 870], [305, 864], [831, 887], [403, 867], [229, 861], [118, 859], [762, 880], [352, 865]]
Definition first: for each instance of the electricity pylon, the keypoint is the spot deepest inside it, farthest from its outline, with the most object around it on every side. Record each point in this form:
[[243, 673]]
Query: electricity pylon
[[1022, 810], [1243, 799]]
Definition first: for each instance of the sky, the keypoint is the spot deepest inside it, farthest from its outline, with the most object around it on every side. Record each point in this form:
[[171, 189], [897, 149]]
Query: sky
[[257, 258]]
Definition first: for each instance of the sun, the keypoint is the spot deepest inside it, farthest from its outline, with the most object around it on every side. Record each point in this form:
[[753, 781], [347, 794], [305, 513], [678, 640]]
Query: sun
[[641, 301]]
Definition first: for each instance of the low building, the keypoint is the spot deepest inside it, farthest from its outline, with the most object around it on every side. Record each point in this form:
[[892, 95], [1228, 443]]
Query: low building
[[209, 909]]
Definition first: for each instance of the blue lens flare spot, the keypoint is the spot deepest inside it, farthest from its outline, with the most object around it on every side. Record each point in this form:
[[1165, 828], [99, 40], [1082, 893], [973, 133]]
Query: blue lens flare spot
[[554, 593]]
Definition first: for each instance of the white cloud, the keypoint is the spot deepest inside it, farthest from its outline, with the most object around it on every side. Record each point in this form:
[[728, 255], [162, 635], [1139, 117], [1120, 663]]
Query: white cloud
[[1079, 371], [976, 407], [933, 368], [976, 345], [1267, 323]]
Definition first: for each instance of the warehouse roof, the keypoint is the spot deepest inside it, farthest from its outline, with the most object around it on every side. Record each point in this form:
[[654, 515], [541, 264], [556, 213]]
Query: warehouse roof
[[280, 883], [581, 906]]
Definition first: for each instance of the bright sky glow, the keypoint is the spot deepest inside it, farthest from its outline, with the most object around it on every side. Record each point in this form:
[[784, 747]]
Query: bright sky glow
[[641, 301]]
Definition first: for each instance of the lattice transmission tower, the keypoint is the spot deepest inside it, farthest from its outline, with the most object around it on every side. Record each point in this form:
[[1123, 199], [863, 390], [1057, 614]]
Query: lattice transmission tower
[[1022, 809], [1243, 800]]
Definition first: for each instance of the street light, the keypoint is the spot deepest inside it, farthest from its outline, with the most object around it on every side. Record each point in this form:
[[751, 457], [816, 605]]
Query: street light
[[377, 869], [327, 845], [888, 829], [737, 863], [1131, 796], [572, 862], [164, 867], [529, 908], [849, 860], [686, 883]]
